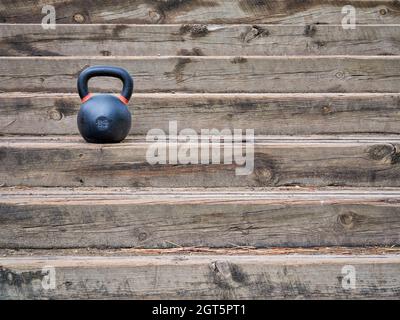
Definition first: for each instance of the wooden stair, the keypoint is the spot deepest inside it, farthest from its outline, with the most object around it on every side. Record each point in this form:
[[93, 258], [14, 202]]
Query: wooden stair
[[161, 218], [322, 201], [215, 275]]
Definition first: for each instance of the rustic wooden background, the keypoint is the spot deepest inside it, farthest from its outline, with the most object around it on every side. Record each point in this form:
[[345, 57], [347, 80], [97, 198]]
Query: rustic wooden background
[[324, 103]]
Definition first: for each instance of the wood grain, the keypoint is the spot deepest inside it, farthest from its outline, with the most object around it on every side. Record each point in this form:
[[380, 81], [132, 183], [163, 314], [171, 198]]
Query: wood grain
[[201, 11], [209, 74], [287, 69], [201, 277], [278, 161], [195, 40], [267, 114], [165, 218]]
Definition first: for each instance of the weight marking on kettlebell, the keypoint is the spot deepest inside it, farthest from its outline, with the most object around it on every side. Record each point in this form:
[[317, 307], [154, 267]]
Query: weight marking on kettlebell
[[102, 123]]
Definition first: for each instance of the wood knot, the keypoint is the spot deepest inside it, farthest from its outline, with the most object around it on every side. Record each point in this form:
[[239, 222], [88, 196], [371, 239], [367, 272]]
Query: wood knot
[[79, 18], [327, 110], [254, 33], [105, 53], [142, 236], [382, 152], [195, 30], [227, 275], [263, 175], [264, 171], [348, 220], [340, 75], [193, 52], [55, 115], [221, 267], [320, 44], [236, 60], [154, 16], [310, 30]]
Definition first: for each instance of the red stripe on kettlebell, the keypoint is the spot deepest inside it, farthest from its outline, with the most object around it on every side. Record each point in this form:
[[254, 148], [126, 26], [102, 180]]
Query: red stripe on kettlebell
[[123, 99], [86, 98]]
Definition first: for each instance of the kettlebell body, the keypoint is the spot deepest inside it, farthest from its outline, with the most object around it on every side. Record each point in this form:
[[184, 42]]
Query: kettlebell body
[[104, 118]]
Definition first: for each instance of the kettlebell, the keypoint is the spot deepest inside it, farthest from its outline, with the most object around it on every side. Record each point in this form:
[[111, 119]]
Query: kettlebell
[[104, 118]]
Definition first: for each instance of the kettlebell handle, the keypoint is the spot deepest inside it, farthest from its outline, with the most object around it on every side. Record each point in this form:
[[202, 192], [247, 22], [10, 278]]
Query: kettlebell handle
[[105, 71]]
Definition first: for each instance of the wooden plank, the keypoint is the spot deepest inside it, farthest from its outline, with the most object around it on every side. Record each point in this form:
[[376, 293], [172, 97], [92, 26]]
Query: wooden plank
[[192, 40], [267, 114], [68, 161], [201, 11], [200, 277], [209, 74], [154, 218]]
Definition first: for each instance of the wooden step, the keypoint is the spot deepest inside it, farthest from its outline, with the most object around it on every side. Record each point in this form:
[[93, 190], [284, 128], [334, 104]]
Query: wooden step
[[216, 11], [369, 161], [289, 74], [165, 218], [201, 277], [267, 114], [195, 40]]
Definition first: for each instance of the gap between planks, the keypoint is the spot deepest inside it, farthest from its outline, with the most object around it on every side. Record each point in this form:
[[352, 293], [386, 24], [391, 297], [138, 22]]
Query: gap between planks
[[229, 251]]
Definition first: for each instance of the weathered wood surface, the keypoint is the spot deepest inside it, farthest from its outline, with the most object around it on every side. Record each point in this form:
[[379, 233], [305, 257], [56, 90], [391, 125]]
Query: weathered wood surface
[[201, 11], [195, 40], [200, 277], [123, 217], [209, 74], [287, 114], [278, 161]]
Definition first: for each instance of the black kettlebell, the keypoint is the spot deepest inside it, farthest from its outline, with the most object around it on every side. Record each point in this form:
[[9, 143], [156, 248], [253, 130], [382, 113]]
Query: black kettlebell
[[104, 118]]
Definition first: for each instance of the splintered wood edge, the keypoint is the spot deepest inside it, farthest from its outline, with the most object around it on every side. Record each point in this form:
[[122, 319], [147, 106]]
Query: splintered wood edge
[[190, 251]]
